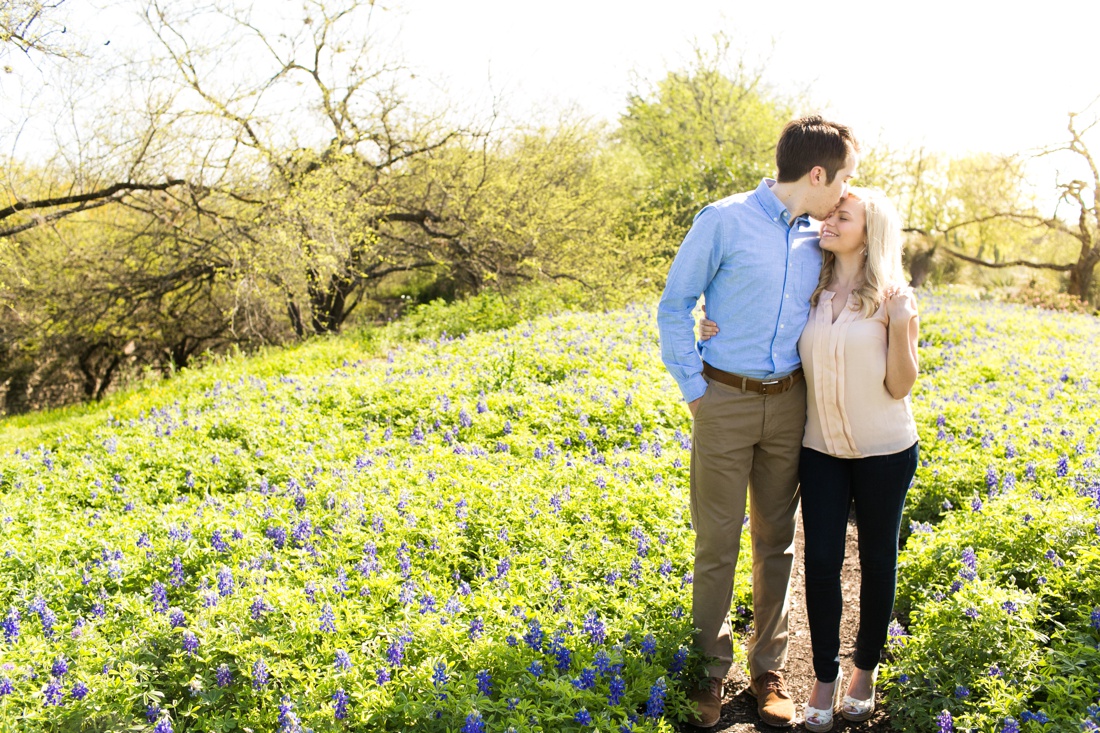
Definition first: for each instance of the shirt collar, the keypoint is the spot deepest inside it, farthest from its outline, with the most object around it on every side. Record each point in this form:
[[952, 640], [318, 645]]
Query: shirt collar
[[772, 206]]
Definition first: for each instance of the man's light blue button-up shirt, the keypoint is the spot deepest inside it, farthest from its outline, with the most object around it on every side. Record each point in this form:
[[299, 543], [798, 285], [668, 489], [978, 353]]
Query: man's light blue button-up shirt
[[757, 270]]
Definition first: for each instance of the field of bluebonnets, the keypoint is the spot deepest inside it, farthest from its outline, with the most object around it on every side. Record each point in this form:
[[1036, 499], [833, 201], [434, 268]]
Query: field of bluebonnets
[[491, 532]]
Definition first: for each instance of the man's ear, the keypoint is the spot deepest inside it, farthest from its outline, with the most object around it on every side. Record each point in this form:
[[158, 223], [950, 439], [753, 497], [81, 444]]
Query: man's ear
[[818, 175]]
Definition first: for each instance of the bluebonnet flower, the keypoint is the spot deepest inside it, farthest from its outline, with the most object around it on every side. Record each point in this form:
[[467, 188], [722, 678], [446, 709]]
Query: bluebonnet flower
[[328, 619], [176, 576], [439, 674], [595, 628], [6, 686], [217, 542], [474, 723], [535, 668], [655, 705], [1011, 726], [945, 722], [223, 676], [10, 625], [587, 679], [277, 535], [427, 603], [678, 660], [1039, 717], [616, 688], [583, 717], [225, 582], [60, 667], [259, 674], [343, 660], [383, 676], [976, 504], [160, 597], [51, 693], [476, 627], [562, 655], [484, 683], [79, 691], [534, 635], [302, 531], [190, 642], [311, 591], [971, 612], [995, 670], [340, 704], [1010, 607], [649, 646], [602, 662], [1053, 557], [961, 691], [1063, 466], [164, 725], [176, 618], [1094, 618], [288, 719], [152, 712]]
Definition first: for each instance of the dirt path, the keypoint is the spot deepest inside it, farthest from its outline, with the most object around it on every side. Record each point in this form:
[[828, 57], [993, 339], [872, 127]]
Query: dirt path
[[739, 707]]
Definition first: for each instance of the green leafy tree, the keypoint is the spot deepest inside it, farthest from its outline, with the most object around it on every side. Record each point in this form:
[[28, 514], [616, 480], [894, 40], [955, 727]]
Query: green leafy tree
[[702, 133]]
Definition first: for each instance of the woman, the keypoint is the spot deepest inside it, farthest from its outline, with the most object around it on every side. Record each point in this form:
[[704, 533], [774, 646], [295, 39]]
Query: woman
[[859, 353]]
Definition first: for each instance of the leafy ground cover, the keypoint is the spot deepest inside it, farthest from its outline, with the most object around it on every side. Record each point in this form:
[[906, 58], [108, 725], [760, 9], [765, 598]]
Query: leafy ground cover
[[492, 532]]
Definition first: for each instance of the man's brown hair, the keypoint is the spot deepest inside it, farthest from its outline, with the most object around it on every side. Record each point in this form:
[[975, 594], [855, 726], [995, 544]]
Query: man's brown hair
[[812, 141]]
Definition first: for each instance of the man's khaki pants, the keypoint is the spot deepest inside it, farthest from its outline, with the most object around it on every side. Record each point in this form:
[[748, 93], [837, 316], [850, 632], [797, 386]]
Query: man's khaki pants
[[745, 443]]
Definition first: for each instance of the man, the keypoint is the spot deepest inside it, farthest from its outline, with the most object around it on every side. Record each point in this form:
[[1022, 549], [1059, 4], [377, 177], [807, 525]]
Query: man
[[755, 258]]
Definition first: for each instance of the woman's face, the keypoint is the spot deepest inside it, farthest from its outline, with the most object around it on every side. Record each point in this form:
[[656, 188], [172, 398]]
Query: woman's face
[[843, 231]]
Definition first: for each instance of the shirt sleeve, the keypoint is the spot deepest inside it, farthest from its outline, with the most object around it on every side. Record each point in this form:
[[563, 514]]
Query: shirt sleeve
[[693, 268]]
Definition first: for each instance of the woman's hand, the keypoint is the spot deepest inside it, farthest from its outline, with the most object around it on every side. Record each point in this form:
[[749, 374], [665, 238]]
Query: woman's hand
[[901, 305], [707, 328]]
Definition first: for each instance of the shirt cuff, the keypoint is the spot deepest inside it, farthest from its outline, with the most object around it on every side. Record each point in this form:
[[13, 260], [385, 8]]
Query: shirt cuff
[[694, 387]]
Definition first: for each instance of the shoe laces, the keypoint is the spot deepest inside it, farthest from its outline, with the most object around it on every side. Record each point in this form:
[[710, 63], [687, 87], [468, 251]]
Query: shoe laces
[[773, 682]]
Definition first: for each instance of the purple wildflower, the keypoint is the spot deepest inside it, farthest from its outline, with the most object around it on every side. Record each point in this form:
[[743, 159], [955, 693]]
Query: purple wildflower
[[945, 722], [160, 597], [60, 667], [259, 674], [583, 717], [340, 704], [79, 691], [655, 705], [616, 688], [343, 661], [52, 693], [328, 619], [484, 682], [474, 723], [190, 643], [10, 625], [223, 676], [595, 628]]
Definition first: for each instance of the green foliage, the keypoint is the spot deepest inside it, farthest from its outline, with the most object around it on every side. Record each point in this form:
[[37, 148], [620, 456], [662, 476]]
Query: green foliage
[[701, 134], [549, 490], [998, 579]]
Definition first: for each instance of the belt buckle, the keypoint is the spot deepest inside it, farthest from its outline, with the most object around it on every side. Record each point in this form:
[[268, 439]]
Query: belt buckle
[[764, 385]]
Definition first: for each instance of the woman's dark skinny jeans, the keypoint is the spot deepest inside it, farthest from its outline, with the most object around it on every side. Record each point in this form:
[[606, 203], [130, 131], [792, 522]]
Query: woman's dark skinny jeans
[[876, 486]]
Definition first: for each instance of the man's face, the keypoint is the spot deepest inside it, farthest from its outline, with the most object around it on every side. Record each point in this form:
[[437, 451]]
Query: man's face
[[831, 194]]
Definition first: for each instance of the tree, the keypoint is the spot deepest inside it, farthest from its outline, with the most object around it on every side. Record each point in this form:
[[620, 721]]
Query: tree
[[703, 133], [27, 25]]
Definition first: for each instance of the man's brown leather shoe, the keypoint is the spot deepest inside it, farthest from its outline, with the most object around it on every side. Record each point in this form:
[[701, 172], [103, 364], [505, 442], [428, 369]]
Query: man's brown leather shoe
[[708, 703], [773, 701]]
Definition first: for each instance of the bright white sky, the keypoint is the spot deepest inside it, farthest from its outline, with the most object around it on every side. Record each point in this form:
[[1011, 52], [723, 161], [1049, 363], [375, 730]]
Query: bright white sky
[[956, 76]]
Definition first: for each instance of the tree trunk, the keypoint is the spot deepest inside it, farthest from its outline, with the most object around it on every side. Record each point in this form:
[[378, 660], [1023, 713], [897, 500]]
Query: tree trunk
[[17, 398], [1080, 277], [920, 266]]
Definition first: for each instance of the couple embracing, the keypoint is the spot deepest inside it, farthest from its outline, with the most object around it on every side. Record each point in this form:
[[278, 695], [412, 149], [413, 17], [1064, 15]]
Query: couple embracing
[[799, 386]]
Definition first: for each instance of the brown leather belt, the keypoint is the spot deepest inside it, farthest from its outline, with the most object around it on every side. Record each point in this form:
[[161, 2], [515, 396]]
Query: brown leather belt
[[748, 384]]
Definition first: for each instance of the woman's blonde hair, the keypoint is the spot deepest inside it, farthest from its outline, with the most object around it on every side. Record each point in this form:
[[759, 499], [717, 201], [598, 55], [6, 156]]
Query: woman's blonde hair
[[882, 266]]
